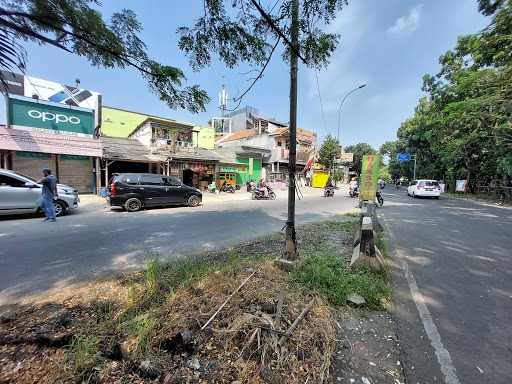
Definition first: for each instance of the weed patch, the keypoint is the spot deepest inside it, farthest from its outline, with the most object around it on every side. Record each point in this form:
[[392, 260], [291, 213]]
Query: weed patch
[[83, 355], [324, 271]]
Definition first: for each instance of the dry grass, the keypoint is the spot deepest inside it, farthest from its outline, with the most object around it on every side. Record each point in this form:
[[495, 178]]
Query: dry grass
[[242, 341]]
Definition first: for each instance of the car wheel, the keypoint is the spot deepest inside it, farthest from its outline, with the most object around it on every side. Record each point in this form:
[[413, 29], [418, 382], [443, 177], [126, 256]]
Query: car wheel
[[133, 205], [60, 208], [193, 201]]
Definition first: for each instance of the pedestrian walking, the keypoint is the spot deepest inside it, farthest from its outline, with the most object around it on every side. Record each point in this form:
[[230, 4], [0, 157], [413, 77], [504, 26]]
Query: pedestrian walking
[[49, 194]]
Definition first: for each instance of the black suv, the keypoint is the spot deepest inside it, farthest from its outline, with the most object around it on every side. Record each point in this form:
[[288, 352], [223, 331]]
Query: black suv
[[133, 191]]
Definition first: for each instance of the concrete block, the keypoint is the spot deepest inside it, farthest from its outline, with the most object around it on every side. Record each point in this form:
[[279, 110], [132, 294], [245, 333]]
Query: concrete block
[[287, 265]]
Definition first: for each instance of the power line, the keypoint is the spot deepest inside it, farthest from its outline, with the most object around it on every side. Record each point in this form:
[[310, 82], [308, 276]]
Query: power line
[[320, 98]]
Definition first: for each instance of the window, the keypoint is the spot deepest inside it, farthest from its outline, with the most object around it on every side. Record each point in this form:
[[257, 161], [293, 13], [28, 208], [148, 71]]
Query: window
[[8, 181], [131, 180], [151, 180], [172, 181]]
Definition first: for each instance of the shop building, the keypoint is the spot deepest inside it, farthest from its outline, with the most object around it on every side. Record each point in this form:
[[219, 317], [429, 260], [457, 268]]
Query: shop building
[[274, 139], [182, 149], [240, 164], [122, 155], [41, 134], [51, 125]]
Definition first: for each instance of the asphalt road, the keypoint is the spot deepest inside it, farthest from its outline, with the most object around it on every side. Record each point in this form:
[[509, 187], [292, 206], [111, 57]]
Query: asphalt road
[[36, 257], [453, 288]]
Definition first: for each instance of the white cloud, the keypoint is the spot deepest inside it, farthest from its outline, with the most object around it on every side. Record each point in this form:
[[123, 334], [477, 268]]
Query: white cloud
[[408, 23]]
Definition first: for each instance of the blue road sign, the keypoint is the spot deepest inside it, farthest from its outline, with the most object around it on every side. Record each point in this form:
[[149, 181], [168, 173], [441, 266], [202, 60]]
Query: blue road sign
[[403, 157]]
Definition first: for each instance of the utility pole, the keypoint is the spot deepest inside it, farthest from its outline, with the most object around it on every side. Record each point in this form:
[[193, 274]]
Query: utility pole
[[291, 241], [414, 171]]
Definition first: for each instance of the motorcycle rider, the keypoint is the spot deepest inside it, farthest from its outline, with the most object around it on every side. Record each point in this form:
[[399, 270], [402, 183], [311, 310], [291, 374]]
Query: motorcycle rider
[[353, 185], [263, 187]]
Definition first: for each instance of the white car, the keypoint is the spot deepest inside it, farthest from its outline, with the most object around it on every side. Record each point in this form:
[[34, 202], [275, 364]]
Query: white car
[[424, 188], [20, 194]]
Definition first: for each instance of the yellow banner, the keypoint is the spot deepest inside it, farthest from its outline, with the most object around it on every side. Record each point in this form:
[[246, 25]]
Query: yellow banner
[[369, 177]]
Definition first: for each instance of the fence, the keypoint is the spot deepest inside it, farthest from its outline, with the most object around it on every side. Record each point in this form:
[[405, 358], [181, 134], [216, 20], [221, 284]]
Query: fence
[[497, 192]]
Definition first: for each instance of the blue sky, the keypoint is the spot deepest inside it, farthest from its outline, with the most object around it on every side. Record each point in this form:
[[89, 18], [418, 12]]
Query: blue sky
[[388, 44]]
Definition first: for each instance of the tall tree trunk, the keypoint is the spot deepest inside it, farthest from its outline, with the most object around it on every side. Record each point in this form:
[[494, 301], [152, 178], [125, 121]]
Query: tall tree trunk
[[291, 241]]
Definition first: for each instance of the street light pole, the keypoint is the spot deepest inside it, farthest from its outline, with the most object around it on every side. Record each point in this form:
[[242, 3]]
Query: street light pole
[[341, 105], [414, 171]]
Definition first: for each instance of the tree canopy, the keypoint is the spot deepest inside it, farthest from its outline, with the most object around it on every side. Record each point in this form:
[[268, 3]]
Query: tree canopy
[[328, 152], [76, 26], [462, 127], [359, 150], [245, 32]]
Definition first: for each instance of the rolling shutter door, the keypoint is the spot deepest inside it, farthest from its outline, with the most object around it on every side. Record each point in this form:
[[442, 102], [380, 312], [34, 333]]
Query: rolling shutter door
[[76, 171]]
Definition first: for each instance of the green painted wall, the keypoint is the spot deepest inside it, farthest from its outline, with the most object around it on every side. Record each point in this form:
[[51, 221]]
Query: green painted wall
[[118, 123], [206, 137], [244, 177]]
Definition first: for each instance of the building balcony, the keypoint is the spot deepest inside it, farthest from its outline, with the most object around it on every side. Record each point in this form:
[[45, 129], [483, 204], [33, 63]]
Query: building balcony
[[281, 154], [166, 145]]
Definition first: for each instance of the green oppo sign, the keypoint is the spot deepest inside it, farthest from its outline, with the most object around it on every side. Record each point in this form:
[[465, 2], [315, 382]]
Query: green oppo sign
[[25, 112]]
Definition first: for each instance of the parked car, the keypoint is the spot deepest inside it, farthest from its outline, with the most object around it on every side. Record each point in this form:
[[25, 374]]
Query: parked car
[[424, 188], [20, 194], [134, 191]]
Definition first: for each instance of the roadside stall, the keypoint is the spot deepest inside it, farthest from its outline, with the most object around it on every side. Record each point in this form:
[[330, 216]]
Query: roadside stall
[[227, 175]]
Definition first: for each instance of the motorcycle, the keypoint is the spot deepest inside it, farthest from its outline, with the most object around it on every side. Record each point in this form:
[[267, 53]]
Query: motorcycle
[[329, 192], [353, 192], [228, 188], [380, 199], [259, 194]]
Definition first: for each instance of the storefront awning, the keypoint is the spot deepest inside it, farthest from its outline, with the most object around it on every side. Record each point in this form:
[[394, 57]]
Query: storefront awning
[[128, 150], [197, 154], [35, 141]]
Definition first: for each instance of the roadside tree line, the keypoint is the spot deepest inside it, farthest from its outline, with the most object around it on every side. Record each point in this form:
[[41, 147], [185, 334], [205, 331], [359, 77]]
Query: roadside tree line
[[462, 128]]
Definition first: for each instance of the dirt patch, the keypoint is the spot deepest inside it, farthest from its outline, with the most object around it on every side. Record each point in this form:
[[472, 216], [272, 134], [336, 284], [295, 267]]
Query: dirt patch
[[367, 350]]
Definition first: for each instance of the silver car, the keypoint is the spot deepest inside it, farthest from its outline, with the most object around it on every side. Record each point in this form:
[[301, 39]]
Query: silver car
[[20, 194]]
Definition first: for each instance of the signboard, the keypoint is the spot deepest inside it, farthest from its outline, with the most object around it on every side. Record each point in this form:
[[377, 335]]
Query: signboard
[[29, 86], [369, 177], [344, 157], [30, 114], [13, 83], [460, 186], [228, 169], [403, 157]]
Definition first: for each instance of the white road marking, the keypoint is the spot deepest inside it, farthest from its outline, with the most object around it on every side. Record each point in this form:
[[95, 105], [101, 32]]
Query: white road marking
[[442, 354]]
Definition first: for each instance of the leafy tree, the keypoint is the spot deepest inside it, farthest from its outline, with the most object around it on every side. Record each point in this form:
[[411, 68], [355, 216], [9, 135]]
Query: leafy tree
[[463, 128], [394, 168], [244, 31], [359, 150], [75, 27], [328, 152]]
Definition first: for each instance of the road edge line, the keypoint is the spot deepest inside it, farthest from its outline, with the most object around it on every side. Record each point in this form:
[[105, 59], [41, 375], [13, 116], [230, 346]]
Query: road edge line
[[443, 356]]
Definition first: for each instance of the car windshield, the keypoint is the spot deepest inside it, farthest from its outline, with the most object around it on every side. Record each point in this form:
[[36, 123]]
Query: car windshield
[[431, 183]]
